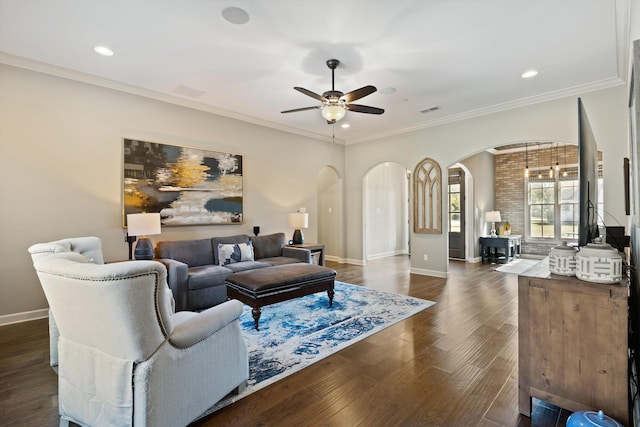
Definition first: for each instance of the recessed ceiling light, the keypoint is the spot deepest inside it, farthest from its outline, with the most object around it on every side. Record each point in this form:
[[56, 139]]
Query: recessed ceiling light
[[387, 90], [103, 50], [235, 15], [345, 125], [530, 73]]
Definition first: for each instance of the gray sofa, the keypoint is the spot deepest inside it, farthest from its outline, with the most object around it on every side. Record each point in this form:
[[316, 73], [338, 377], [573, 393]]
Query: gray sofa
[[197, 269]]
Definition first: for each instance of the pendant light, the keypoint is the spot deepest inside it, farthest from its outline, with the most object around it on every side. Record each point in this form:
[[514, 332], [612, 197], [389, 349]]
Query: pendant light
[[565, 161], [557, 158], [526, 159], [538, 160], [550, 160]]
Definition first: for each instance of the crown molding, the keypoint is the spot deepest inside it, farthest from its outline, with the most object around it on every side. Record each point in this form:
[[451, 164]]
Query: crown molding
[[53, 70], [524, 102]]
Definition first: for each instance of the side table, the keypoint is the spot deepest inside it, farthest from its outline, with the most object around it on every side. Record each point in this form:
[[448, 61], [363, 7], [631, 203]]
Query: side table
[[316, 250], [489, 247]]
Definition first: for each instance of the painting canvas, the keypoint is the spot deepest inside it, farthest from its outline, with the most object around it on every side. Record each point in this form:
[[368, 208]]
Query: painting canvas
[[187, 186]]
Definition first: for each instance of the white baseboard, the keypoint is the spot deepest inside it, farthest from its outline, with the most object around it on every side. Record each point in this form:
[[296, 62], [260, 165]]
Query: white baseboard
[[474, 260], [26, 316], [386, 255], [432, 273], [355, 261], [334, 259]]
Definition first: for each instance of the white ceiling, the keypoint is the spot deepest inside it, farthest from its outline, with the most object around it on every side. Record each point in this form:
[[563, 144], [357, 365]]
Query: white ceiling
[[464, 56]]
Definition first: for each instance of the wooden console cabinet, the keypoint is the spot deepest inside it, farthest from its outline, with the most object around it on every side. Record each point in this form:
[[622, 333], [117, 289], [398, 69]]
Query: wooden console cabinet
[[573, 345]]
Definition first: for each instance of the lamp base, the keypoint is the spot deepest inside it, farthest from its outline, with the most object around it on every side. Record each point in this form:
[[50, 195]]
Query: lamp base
[[298, 238], [144, 249], [130, 240], [493, 230]]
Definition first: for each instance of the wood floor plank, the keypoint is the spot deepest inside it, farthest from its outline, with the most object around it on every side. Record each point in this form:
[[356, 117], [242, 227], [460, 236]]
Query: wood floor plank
[[454, 364]]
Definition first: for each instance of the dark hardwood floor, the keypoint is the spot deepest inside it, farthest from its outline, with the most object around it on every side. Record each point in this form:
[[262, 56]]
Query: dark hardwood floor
[[454, 364]]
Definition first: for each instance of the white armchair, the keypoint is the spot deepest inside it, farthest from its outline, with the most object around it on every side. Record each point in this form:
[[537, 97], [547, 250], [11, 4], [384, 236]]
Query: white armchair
[[124, 357]]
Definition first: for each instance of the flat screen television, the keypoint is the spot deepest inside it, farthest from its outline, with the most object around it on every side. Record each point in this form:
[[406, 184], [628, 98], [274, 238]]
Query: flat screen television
[[588, 179]]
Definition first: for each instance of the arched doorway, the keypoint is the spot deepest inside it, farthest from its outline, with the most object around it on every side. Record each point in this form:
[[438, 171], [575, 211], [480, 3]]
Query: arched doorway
[[460, 212]]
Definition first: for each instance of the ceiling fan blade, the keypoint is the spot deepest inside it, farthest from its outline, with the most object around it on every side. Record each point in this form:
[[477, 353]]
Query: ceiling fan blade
[[302, 109], [309, 93], [364, 109], [359, 93]]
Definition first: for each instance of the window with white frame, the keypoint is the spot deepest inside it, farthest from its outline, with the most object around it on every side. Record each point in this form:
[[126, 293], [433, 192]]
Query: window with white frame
[[552, 210]]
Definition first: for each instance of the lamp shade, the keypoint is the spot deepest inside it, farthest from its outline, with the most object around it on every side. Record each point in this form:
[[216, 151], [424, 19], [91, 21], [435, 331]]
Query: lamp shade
[[144, 224], [333, 113], [299, 220], [493, 216]]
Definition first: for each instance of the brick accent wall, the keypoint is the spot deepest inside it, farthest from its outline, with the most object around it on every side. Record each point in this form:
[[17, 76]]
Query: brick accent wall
[[510, 192]]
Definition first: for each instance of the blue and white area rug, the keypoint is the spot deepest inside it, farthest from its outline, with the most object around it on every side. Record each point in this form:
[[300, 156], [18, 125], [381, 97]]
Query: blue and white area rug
[[296, 333]]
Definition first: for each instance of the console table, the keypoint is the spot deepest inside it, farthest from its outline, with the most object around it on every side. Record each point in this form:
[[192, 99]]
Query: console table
[[572, 349], [490, 246], [317, 251]]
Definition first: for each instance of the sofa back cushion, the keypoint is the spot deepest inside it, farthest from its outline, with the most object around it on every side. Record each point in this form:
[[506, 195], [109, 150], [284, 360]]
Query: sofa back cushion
[[215, 241], [194, 253], [268, 246]]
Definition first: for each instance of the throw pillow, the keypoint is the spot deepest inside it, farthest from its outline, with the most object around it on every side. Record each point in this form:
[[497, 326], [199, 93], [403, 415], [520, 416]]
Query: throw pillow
[[228, 254], [246, 251]]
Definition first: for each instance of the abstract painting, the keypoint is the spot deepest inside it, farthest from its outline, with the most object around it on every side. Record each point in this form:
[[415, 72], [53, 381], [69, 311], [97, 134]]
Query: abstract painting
[[187, 186]]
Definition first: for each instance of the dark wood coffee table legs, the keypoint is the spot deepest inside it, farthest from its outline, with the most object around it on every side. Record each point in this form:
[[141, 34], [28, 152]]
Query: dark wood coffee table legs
[[256, 312]]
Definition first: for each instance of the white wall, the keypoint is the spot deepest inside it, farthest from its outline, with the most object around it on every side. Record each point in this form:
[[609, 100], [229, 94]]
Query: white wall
[[548, 121], [330, 213], [61, 169], [482, 167], [385, 193]]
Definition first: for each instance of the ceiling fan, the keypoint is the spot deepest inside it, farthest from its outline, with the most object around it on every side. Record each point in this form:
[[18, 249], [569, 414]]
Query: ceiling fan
[[335, 103]]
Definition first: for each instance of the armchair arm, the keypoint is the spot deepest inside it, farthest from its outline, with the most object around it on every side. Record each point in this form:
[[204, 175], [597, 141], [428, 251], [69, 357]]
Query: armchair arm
[[302, 254], [195, 327], [177, 278]]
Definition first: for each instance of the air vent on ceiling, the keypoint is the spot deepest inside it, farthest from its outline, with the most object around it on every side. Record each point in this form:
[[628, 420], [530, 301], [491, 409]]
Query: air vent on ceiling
[[430, 109], [188, 91]]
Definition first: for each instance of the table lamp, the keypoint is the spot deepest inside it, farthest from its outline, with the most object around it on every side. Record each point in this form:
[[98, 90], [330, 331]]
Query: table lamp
[[298, 220], [493, 217], [142, 225]]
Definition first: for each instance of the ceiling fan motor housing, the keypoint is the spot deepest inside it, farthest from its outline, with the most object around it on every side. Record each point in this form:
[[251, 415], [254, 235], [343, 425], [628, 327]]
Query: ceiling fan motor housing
[[331, 94]]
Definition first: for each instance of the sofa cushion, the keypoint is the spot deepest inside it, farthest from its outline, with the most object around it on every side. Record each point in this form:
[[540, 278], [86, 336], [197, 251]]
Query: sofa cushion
[[194, 253], [268, 246], [280, 260], [247, 265], [207, 276], [240, 238]]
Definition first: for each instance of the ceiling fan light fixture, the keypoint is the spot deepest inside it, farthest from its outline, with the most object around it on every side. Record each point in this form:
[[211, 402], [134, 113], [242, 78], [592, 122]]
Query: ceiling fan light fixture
[[333, 113]]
